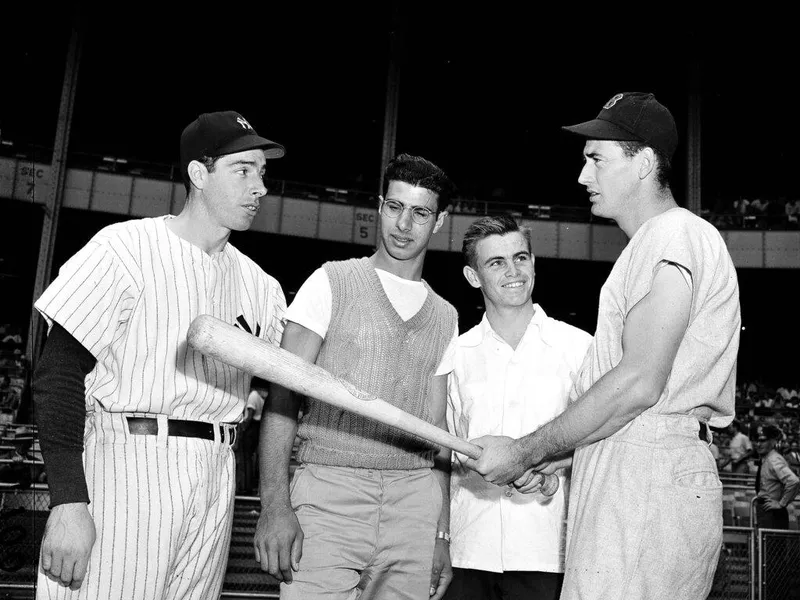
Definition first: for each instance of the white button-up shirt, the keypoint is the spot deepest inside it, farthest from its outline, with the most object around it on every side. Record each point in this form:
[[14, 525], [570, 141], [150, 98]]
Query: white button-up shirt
[[496, 390]]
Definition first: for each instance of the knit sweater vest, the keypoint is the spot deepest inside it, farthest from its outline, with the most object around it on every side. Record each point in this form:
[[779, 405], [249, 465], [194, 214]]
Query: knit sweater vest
[[370, 346]]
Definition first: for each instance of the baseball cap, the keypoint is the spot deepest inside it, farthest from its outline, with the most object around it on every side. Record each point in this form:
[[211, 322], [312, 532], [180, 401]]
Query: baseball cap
[[632, 117], [220, 133]]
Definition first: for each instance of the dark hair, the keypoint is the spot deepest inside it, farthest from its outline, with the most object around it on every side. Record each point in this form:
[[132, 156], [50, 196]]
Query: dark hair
[[483, 228], [208, 162], [663, 162], [419, 172]]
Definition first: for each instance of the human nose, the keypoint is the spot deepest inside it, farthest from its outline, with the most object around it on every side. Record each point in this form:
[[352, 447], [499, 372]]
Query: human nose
[[259, 188], [586, 177], [404, 222], [512, 269]]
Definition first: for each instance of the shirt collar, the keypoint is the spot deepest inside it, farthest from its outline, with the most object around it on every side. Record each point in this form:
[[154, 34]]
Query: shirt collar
[[476, 335]]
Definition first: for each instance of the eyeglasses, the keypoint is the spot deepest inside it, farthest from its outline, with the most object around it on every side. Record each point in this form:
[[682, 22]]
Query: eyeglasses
[[393, 209]]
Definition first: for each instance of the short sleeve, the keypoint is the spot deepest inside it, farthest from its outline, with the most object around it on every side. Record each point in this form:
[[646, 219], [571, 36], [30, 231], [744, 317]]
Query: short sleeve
[[255, 401], [313, 304], [668, 242], [453, 414], [447, 364], [92, 297], [276, 313]]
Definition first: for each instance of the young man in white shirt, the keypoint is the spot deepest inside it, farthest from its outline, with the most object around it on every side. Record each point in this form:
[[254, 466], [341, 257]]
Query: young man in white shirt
[[512, 373]]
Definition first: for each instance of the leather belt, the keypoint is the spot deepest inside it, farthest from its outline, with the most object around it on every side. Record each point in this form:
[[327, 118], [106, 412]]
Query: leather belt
[[181, 428]]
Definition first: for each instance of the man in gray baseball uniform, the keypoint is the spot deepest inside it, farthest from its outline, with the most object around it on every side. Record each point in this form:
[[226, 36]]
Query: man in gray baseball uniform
[[645, 504], [136, 427]]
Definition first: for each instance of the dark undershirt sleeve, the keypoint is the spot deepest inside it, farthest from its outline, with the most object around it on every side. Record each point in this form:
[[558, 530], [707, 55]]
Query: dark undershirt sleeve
[[59, 397]]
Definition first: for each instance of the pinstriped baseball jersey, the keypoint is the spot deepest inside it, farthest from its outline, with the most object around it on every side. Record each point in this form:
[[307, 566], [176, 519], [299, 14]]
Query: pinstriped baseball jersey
[[129, 297]]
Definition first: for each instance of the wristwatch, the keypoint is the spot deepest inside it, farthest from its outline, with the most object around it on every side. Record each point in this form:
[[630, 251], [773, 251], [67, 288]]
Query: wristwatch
[[443, 535]]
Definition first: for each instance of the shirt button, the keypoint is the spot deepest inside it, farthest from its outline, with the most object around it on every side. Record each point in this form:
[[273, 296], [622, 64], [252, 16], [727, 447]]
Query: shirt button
[[509, 493]]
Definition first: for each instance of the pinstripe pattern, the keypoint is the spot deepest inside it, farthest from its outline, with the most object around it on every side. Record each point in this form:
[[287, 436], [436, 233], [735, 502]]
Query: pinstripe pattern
[[162, 509], [129, 296], [162, 506]]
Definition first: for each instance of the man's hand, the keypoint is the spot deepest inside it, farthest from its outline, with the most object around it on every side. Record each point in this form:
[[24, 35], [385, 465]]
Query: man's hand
[[500, 463], [247, 419], [771, 503], [442, 570], [67, 544], [279, 542], [530, 482]]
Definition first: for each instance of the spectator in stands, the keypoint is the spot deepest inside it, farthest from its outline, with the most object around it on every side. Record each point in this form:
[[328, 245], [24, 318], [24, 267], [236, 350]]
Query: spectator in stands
[[793, 457], [744, 212], [762, 210], [5, 389], [776, 483], [740, 449], [792, 211], [12, 337], [719, 459]]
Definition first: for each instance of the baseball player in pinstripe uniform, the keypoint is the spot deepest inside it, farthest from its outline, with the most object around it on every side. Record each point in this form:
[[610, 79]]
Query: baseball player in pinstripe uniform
[[136, 428]]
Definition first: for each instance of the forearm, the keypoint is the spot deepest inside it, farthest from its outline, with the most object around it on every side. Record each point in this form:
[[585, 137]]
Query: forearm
[[611, 403], [790, 490], [278, 430], [60, 409], [441, 470]]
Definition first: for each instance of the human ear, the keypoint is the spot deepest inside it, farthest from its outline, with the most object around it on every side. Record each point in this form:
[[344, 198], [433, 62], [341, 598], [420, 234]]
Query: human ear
[[471, 276]]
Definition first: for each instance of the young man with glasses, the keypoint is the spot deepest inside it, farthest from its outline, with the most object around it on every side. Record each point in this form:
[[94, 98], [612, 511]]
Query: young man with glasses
[[368, 507]]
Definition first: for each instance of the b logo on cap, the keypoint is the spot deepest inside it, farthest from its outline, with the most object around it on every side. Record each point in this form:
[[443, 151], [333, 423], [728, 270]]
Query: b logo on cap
[[612, 102], [245, 125]]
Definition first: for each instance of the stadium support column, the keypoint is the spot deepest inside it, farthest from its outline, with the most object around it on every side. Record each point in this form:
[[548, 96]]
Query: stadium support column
[[392, 91], [693, 140], [55, 198]]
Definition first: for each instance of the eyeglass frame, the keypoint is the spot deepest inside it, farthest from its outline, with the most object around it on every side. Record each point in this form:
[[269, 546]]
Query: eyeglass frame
[[431, 213]]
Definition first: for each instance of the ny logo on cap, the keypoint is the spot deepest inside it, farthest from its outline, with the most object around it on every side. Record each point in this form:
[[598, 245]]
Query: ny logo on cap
[[612, 102], [245, 125]]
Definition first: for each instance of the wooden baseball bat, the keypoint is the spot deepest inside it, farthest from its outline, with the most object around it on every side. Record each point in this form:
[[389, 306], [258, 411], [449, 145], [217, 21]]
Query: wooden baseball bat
[[251, 354]]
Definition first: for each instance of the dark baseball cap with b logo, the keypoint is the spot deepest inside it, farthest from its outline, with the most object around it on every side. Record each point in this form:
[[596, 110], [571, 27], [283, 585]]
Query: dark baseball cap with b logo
[[632, 117], [220, 133]]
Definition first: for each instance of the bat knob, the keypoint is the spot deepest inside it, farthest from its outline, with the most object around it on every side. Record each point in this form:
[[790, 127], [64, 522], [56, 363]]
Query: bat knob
[[549, 485]]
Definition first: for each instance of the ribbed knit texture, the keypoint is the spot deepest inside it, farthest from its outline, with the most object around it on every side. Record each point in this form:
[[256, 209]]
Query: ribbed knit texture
[[369, 345]]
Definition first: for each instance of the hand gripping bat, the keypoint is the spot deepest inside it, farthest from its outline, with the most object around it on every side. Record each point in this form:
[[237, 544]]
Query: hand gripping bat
[[251, 354]]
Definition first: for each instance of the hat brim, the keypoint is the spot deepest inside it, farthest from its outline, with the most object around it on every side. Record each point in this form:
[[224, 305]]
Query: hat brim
[[598, 129], [253, 142]]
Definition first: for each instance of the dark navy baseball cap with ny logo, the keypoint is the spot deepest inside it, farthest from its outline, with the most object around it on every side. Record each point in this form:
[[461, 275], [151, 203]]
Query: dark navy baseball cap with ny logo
[[220, 133]]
